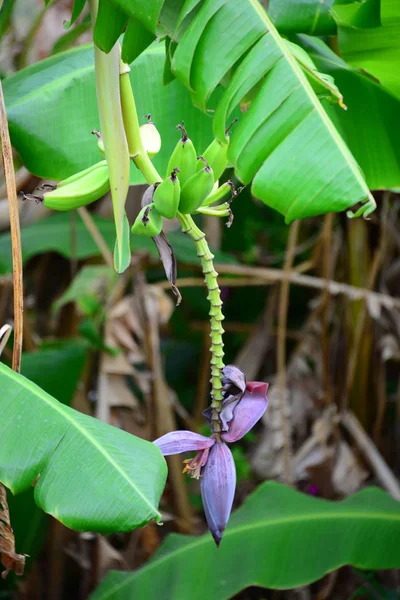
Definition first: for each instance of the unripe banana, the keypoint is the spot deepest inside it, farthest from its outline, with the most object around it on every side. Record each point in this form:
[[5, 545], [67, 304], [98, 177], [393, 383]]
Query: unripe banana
[[151, 138], [217, 157], [217, 154], [219, 193], [148, 222], [167, 195], [183, 156], [79, 189], [196, 189]]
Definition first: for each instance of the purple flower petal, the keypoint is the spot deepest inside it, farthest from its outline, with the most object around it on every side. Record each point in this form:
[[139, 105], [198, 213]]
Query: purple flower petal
[[233, 376], [228, 410], [249, 410], [218, 489], [177, 442]]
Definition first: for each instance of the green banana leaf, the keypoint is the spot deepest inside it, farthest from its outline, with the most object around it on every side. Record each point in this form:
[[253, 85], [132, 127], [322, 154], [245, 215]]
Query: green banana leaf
[[47, 367], [369, 45], [373, 141], [87, 474], [291, 539], [277, 139], [54, 235], [51, 107], [302, 16]]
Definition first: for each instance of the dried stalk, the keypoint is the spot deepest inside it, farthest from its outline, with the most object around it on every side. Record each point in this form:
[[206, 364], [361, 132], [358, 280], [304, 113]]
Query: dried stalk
[[325, 302], [361, 323], [371, 454], [281, 346], [15, 235], [265, 276], [96, 235]]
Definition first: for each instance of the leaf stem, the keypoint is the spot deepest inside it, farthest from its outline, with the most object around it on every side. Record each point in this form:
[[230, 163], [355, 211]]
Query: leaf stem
[[216, 316]]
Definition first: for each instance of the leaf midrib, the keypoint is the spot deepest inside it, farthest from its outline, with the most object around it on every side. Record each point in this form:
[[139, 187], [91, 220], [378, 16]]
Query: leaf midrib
[[31, 387], [248, 527]]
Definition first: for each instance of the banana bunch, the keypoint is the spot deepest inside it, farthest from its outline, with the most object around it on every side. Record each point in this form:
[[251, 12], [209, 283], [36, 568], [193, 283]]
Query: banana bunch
[[78, 190], [191, 186]]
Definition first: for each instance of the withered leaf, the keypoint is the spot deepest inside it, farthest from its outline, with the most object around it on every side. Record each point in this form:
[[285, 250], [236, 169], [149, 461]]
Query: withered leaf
[[9, 558], [168, 260]]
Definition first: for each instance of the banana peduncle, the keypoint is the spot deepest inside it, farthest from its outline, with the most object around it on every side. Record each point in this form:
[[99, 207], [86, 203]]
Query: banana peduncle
[[216, 316]]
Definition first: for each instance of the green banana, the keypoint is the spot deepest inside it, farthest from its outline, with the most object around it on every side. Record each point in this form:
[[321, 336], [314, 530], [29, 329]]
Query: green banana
[[151, 138], [148, 222], [167, 195], [217, 154], [219, 193], [219, 211], [217, 157], [196, 189], [183, 157], [78, 190]]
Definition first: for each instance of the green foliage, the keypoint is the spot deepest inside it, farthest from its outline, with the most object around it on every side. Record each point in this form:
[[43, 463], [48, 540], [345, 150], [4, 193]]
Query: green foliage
[[369, 125], [56, 367], [54, 235], [369, 39], [53, 102], [302, 16], [93, 477], [285, 126], [69, 38], [88, 289], [283, 130], [291, 539]]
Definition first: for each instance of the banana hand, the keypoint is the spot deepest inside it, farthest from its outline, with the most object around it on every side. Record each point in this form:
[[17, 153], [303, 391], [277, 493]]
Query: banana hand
[[78, 190]]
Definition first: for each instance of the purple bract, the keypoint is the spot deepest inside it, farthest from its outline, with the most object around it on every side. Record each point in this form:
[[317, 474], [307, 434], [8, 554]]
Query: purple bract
[[243, 405]]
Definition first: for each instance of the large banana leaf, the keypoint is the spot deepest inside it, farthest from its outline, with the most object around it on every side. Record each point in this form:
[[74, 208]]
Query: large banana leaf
[[373, 141], [291, 539], [52, 110], [302, 16], [374, 48], [87, 474], [284, 143], [47, 367]]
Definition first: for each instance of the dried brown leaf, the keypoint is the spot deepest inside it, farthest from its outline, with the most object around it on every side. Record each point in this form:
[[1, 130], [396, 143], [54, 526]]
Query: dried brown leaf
[[10, 559]]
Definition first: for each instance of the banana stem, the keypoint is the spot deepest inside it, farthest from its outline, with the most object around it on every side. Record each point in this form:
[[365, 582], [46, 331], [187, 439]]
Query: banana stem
[[132, 130], [216, 316]]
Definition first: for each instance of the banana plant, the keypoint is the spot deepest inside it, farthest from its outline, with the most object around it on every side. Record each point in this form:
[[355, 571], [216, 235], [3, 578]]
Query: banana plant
[[282, 143]]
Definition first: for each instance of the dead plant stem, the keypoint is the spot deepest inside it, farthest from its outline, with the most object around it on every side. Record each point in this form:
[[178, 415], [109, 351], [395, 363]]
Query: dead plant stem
[[8, 166], [281, 347]]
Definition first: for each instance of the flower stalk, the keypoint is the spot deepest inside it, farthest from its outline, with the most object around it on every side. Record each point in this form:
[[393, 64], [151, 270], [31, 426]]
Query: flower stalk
[[216, 316]]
